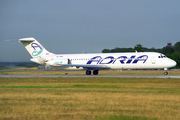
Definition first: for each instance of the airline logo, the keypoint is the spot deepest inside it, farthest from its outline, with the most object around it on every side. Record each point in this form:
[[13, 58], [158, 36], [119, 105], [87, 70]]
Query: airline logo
[[122, 59], [37, 49], [58, 62]]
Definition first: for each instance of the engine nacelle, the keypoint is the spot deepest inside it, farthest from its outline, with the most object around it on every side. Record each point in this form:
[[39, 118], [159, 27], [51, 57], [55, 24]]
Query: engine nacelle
[[40, 60], [57, 62]]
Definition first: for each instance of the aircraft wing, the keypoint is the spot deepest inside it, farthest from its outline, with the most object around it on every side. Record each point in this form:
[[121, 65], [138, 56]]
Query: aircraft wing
[[89, 67]]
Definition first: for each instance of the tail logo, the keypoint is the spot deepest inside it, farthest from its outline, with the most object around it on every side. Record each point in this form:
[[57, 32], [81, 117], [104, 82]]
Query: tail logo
[[37, 49]]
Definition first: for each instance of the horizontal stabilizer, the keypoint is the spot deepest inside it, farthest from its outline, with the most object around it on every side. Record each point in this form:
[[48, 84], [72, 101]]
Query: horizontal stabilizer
[[27, 39]]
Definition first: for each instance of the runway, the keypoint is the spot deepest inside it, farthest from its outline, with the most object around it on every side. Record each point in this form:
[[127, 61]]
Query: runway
[[109, 76]]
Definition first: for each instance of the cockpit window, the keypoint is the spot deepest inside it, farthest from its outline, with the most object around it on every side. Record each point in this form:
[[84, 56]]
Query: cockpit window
[[162, 56]]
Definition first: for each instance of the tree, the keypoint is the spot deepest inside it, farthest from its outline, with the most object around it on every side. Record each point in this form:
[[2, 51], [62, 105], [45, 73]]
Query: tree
[[139, 48], [105, 51], [176, 57], [167, 50], [176, 47]]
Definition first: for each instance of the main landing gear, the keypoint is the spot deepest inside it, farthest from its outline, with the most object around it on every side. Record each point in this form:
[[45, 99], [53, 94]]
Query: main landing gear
[[95, 72]]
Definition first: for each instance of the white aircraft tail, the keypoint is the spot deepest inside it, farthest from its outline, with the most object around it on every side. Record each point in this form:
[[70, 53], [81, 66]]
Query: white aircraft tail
[[35, 49]]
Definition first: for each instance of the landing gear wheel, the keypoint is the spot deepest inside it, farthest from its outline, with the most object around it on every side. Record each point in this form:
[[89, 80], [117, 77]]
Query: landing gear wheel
[[166, 73], [95, 72], [88, 72]]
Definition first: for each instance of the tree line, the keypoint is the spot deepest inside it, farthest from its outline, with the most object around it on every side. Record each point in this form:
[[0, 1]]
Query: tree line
[[172, 52]]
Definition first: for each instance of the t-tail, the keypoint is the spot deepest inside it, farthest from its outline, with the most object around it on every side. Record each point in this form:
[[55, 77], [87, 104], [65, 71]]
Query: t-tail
[[35, 49]]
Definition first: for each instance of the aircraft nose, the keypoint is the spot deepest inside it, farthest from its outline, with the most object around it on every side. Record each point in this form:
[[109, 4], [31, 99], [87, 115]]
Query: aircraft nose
[[173, 63]]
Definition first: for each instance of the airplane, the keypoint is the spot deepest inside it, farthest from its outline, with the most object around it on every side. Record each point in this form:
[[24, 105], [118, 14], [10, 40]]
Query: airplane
[[96, 61]]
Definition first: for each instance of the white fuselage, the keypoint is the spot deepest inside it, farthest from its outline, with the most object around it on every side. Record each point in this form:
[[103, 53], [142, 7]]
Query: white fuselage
[[96, 61], [135, 60]]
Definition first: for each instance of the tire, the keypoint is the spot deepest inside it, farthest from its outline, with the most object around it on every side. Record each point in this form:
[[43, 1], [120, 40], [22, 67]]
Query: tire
[[95, 72], [166, 73], [88, 72]]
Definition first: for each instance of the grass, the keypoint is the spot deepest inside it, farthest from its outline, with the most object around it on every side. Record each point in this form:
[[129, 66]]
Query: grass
[[90, 98], [126, 118], [35, 71]]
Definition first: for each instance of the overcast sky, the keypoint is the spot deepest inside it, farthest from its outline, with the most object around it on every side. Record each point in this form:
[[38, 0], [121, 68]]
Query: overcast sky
[[77, 26]]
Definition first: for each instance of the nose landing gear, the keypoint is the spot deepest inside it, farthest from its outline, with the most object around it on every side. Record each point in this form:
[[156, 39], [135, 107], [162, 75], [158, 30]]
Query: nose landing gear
[[165, 73]]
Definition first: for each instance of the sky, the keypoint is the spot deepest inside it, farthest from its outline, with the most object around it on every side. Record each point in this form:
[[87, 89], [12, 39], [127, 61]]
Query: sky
[[86, 26]]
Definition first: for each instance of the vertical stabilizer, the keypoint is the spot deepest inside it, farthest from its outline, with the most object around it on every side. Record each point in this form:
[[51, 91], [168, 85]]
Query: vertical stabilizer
[[35, 49]]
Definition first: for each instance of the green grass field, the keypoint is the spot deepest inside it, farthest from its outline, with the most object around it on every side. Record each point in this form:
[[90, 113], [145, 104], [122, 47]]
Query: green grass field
[[90, 98], [35, 71]]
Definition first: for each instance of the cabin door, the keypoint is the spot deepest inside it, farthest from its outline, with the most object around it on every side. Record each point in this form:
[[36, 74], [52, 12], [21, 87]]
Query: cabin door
[[153, 59]]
